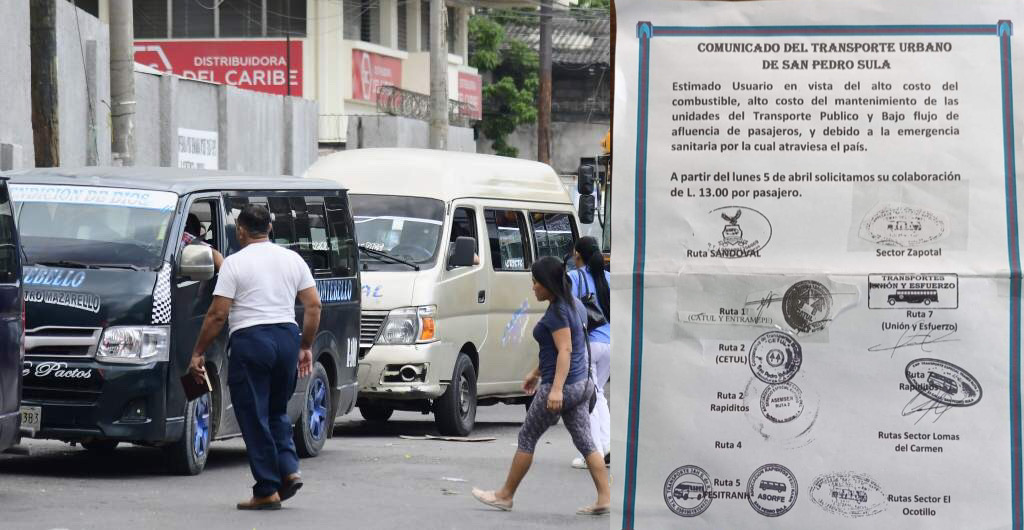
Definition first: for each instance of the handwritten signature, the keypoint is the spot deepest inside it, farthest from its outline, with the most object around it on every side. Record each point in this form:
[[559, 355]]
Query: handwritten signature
[[908, 340], [764, 303], [925, 407]]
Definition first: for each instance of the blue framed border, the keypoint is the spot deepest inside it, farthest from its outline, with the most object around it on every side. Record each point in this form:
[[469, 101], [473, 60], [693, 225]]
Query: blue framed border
[[647, 31]]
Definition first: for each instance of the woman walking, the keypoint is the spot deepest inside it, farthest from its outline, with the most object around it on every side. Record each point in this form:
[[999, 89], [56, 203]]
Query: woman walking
[[591, 279], [559, 386]]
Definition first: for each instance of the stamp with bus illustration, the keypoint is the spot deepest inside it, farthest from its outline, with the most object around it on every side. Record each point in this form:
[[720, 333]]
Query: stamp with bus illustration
[[913, 291]]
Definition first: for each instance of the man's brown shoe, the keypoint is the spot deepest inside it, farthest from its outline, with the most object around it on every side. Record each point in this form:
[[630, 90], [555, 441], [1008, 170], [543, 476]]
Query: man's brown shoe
[[290, 486], [272, 502]]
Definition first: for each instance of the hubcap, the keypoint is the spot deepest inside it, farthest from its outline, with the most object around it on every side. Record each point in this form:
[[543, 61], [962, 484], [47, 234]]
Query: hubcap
[[316, 405], [464, 398], [201, 426]]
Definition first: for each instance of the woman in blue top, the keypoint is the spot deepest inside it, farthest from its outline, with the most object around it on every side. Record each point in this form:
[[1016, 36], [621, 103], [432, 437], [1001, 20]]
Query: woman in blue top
[[590, 278], [559, 387]]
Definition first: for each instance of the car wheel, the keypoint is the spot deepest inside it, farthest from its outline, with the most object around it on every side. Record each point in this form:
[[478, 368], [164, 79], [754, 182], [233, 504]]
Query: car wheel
[[455, 411], [100, 446], [188, 455], [376, 411], [311, 430]]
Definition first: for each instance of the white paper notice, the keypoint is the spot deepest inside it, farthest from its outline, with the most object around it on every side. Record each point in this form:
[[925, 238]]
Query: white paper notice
[[197, 149], [816, 265]]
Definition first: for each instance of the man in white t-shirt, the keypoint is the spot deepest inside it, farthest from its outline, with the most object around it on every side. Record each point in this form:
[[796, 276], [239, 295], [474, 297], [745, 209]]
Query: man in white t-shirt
[[255, 294]]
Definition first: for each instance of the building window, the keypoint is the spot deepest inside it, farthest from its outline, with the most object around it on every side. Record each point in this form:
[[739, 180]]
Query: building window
[[362, 20], [450, 29], [150, 19], [241, 18], [192, 20], [403, 25], [286, 17], [424, 25]]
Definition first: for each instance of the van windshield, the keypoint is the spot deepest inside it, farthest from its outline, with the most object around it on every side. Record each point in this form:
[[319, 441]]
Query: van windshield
[[93, 227], [405, 228]]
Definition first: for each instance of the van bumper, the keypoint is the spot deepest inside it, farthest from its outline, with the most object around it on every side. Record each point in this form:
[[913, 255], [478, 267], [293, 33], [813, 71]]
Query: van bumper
[[437, 359], [106, 408]]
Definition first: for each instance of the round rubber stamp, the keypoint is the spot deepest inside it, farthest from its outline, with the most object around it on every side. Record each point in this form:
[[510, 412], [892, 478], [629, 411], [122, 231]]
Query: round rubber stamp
[[782, 403], [688, 491], [775, 357], [772, 490], [807, 306]]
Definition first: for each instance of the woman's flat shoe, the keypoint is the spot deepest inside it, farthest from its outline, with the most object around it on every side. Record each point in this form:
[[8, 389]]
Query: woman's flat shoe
[[488, 498], [594, 510]]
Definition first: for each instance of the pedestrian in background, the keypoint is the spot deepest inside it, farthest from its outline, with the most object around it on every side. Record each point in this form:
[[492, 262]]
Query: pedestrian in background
[[559, 386], [255, 294], [591, 279]]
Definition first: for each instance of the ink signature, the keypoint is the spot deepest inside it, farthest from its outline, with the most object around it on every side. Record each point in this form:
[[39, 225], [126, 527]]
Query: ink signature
[[925, 407], [765, 302], [916, 339]]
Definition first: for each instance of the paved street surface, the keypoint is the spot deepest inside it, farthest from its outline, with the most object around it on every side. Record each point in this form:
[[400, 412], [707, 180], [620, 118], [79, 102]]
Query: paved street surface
[[366, 478]]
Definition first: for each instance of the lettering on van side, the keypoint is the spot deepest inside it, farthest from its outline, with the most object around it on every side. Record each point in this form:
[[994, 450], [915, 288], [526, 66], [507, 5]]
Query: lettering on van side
[[53, 277], [515, 329], [335, 290], [84, 301]]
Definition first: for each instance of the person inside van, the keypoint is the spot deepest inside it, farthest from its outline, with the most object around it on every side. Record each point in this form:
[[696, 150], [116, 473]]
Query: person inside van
[[591, 279], [192, 233], [559, 386]]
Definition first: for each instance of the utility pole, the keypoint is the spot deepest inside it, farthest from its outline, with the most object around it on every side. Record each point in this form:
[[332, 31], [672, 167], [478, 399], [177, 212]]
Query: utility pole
[[438, 76], [45, 125], [544, 110], [122, 82]]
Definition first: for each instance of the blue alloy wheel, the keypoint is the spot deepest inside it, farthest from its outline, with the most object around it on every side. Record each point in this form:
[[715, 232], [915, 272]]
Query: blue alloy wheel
[[316, 407], [201, 426]]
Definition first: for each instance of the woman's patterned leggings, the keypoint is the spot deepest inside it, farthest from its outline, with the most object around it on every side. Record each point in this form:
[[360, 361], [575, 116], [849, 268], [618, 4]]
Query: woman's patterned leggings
[[575, 414]]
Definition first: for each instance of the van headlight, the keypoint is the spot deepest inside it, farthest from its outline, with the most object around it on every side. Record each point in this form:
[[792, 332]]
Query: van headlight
[[134, 344], [409, 325]]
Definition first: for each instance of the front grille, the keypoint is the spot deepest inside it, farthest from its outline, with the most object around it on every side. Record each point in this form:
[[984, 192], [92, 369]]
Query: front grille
[[369, 327], [61, 341], [61, 395]]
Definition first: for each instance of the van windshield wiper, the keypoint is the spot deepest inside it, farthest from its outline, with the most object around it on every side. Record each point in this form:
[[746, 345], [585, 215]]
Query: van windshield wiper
[[385, 255], [66, 264], [127, 266]]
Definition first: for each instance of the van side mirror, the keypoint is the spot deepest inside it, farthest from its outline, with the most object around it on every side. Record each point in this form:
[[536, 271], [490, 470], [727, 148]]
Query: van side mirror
[[585, 179], [463, 253], [196, 262], [587, 209]]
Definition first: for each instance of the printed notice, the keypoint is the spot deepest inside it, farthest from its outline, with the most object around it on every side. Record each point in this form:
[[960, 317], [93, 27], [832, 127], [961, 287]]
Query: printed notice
[[197, 149], [817, 267]]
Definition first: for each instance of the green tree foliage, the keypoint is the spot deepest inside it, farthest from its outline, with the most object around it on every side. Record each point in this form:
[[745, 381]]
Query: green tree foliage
[[511, 98]]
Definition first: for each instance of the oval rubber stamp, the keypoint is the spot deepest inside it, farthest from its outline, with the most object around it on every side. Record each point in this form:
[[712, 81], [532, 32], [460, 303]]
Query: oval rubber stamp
[[848, 494], [943, 382], [901, 225], [782, 403], [775, 357], [744, 233], [688, 491], [807, 306], [772, 490]]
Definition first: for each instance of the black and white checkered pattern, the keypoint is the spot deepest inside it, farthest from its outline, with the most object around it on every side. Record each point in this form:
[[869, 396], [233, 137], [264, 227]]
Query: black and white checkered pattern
[[162, 296]]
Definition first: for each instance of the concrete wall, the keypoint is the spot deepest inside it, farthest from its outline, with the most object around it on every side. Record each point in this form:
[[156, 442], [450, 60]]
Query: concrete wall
[[147, 122], [253, 122], [392, 131], [570, 141], [15, 87], [83, 95]]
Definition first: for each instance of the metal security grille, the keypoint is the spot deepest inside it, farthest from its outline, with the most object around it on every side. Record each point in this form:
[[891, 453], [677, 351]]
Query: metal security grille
[[403, 25]]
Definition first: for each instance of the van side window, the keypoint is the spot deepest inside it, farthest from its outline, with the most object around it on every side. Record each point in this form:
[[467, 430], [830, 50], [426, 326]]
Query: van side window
[[283, 222], [553, 234], [315, 246], [8, 248], [506, 232], [341, 236], [201, 223]]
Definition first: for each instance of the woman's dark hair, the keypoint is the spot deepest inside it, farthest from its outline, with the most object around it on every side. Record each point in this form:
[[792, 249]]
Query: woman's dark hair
[[592, 257], [550, 273], [255, 219]]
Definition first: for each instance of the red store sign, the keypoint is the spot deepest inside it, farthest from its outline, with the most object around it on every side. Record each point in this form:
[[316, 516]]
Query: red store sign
[[260, 65], [370, 71], [471, 93]]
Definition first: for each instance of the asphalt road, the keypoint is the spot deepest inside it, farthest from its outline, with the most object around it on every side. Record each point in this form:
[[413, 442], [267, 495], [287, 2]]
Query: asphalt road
[[366, 478]]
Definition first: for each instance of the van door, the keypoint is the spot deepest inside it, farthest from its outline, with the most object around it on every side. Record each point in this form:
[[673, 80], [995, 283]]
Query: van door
[[204, 225], [510, 352], [11, 324], [464, 294]]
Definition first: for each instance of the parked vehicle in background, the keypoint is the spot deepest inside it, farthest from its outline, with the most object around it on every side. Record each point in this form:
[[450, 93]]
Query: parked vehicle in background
[[447, 241], [12, 322], [118, 280]]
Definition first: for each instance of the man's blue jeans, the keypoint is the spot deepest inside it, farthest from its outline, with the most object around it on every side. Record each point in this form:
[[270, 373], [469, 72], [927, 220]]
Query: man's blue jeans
[[262, 371]]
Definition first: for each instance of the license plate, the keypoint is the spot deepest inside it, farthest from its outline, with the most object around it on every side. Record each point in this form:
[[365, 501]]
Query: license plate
[[31, 418]]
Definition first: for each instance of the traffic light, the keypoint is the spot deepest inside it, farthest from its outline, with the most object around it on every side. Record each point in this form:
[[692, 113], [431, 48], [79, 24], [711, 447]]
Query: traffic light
[[585, 179], [587, 209]]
